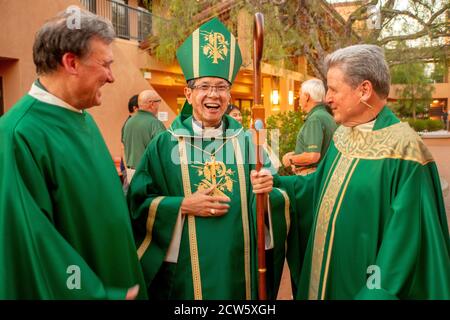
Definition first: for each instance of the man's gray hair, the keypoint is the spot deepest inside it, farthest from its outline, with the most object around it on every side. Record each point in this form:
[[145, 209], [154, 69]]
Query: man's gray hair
[[315, 88], [191, 83], [362, 62], [57, 37]]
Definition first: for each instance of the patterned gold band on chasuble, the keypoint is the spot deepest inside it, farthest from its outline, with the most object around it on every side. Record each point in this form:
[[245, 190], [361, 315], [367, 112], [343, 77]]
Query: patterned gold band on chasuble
[[398, 141], [244, 213], [195, 264], [338, 181], [149, 226], [333, 225]]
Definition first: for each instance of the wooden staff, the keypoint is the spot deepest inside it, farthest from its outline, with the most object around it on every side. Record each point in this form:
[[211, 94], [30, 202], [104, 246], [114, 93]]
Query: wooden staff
[[258, 124]]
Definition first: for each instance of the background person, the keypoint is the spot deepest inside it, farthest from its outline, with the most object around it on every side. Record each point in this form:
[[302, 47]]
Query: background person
[[315, 135], [141, 129]]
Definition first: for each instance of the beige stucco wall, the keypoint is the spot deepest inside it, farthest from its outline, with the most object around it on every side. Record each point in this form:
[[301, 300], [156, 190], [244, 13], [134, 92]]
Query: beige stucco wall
[[20, 19], [441, 91], [129, 80]]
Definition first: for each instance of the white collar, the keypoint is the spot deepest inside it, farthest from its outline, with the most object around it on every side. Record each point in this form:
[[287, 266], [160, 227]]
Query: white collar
[[368, 126], [47, 97], [208, 132]]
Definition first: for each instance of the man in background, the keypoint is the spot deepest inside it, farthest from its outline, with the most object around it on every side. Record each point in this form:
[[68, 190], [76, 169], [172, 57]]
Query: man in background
[[315, 135], [132, 110], [141, 129]]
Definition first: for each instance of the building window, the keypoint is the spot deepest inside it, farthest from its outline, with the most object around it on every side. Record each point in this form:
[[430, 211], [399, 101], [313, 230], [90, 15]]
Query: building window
[[120, 18], [90, 5], [144, 23]]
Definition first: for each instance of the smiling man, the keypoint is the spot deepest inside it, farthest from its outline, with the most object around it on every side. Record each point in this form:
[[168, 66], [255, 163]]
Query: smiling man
[[372, 216], [64, 222], [192, 197]]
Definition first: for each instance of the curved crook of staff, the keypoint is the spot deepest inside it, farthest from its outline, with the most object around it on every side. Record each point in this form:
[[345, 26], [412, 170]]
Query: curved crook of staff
[[258, 125]]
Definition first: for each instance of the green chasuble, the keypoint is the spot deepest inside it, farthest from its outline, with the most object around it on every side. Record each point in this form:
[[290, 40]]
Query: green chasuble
[[190, 257], [370, 221], [64, 224]]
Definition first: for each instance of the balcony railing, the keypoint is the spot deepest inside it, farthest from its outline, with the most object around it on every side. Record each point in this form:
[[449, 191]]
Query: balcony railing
[[129, 22]]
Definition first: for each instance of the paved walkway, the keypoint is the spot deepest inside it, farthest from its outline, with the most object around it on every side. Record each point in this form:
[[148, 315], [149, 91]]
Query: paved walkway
[[440, 148]]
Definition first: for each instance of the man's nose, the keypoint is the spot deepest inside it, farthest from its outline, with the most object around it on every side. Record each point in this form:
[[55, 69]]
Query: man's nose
[[110, 78], [213, 91]]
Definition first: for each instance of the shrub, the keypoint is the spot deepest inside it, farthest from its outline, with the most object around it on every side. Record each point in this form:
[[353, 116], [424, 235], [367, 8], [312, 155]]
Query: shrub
[[434, 125], [288, 123], [420, 125]]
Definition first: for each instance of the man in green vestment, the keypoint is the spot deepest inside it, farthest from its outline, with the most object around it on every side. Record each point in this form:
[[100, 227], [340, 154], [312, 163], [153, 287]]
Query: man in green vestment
[[192, 197], [372, 218], [64, 224]]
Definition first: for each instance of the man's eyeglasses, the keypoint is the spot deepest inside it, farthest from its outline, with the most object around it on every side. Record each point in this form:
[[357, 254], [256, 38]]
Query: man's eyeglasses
[[206, 88]]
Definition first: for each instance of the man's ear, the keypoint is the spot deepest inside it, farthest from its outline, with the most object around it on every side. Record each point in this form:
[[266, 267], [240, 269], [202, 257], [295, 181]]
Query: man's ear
[[188, 94], [366, 90], [70, 62]]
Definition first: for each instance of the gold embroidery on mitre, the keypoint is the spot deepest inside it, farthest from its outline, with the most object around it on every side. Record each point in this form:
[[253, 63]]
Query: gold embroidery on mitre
[[216, 46], [398, 141], [215, 173]]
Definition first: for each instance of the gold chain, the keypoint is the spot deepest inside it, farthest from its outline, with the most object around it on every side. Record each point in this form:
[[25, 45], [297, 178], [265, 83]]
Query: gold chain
[[211, 154]]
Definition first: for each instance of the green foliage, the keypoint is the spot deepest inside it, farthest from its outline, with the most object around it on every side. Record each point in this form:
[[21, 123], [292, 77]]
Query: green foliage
[[304, 28], [288, 123], [421, 125], [246, 117], [172, 24], [439, 72], [415, 93]]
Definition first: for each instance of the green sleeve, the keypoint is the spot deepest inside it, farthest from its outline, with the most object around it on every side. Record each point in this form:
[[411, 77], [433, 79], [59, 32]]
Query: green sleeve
[[414, 256], [153, 212], [37, 261], [157, 128], [312, 136]]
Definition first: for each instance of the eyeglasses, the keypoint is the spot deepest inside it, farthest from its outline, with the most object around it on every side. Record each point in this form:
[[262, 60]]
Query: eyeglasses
[[206, 88]]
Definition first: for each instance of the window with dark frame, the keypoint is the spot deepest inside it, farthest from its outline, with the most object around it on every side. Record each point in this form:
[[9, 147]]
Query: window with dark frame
[[90, 5], [120, 18]]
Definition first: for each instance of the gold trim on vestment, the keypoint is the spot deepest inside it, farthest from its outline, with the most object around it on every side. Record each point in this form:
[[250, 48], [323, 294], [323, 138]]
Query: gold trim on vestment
[[232, 51], [333, 225], [326, 206], [195, 264], [338, 156], [196, 53], [149, 226], [245, 217], [398, 141]]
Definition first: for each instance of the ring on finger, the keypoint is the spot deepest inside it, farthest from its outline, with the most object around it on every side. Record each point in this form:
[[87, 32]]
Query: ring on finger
[[213, 212]]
